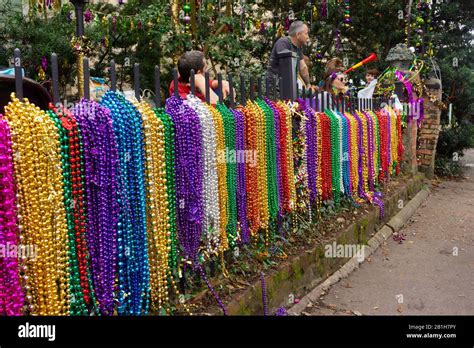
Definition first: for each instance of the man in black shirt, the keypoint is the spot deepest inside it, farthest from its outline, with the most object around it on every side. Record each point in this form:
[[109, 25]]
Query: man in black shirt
[[296, 39]]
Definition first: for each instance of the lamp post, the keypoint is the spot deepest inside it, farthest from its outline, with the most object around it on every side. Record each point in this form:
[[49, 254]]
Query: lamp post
[[79, 11]]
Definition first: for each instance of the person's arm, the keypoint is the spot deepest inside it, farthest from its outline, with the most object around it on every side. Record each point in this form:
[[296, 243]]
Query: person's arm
[[225, 87], [200, 83], [304, 71]]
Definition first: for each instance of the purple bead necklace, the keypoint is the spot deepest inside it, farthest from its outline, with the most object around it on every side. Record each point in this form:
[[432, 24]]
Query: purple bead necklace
[[100, 162]]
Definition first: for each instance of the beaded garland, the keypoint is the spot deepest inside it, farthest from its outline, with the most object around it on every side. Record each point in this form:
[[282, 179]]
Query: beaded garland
[[11, 294], [79, 277], [142, 192], [251, 172], [170, 184], [133, 244], [158, 234], [229, 158], [40, 208], [189, 177], [241, 183], [210, 180], [101, 191], [221, 176]]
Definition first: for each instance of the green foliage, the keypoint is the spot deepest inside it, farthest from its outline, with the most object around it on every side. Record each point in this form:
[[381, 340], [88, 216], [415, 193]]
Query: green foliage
[[451, 145]]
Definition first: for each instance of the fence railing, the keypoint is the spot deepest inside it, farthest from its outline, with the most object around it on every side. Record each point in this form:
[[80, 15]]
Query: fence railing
[[250, 88]]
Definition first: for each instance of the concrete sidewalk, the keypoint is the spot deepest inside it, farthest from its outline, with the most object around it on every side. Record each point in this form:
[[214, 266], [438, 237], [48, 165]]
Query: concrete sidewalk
[[431, 272]]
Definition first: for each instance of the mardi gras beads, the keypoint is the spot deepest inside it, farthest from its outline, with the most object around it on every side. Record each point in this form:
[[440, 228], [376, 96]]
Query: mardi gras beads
[[272, 108], [283, 154], [158, 233], [210, 182], [262, 178], [41, 213], [345, 133], [170, 184], [189, 176], [231, 173], [354, 146], [77, 300], [335, 156], [127, 124], [400, 148], [300, 160], [326, 160], [311, 151], [272, 188], [364, 149], [11, 294], [272, 180], [221, 176], [381, 116], [241, 178], [100, 163], [251, 172]]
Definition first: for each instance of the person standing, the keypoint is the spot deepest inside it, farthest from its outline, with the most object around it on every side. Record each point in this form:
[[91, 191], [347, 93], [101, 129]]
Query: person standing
[[297, 38]]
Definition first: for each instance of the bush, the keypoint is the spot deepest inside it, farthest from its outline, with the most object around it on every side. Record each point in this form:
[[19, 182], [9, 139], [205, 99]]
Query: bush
[[451, 145]]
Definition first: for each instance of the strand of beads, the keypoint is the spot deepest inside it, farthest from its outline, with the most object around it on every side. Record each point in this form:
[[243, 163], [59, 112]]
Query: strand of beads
[[370, 150], [77, 298], [346, 165], [360, 155], [158, 233], [319, 140], [400, 148], [300, 160], [277, 149], [128, 129], [221, 176], [210, 180], [393, 138], [245, 157], [365, 148], [354, 154], [11, 294], [189, 177], [286, 130], [100, 165], [79, 206], [231, 173], [381, 115], [251, 172], [311, 142], [41, 214], [335, 156], [272, 189], [326, 164], [170, 184], [262, 177], [169, 140], [377, 146]]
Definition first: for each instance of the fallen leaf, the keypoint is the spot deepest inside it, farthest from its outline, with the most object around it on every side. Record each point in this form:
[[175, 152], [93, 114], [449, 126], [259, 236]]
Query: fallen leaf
[[357, 313], [376, 307], [332, 306], [399, 308]]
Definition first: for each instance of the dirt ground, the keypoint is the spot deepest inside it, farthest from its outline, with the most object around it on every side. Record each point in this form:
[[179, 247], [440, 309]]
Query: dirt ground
[[430, 273]]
